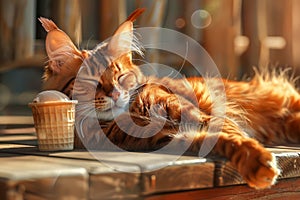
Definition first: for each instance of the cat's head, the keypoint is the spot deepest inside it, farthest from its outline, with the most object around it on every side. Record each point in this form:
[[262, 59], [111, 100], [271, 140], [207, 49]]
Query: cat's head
[[114, 84]]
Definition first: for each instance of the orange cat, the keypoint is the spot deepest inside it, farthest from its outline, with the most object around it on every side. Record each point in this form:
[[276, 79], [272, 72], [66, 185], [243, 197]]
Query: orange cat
[[268, 106]]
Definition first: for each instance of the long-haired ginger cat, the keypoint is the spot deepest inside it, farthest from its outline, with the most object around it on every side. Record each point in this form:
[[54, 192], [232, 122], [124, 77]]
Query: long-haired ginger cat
[[268, 105]]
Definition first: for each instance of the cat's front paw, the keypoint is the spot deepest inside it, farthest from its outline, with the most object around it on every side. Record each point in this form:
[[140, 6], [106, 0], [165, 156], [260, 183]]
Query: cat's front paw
[[258, 167], [265, 175]]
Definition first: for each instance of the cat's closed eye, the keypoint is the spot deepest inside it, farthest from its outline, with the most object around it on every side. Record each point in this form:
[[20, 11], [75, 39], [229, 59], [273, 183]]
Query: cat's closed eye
[[128, 81]]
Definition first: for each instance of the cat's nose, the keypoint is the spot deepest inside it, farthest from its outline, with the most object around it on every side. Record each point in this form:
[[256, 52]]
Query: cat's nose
[[115, 95]]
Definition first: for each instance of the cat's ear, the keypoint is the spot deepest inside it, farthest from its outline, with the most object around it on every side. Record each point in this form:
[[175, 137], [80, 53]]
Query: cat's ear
[[59, 46], [122, 39]]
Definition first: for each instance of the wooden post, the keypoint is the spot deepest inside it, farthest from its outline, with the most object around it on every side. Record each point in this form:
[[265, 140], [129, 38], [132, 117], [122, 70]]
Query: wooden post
[[112, 14], [17, 29], [153, 17], [67, 15], [249, 27], [282, 27], [262, 30], [296, 35], [269, 26], [218, 38]]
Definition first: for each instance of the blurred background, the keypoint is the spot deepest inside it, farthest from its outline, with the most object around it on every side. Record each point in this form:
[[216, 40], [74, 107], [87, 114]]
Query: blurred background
[[238, 34]]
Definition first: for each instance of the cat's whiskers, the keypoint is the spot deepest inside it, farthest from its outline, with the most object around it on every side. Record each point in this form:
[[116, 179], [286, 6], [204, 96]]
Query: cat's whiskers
[[136, 92], [84, 110], [88, 42], [184, 60], [149, 66], [136, 45]]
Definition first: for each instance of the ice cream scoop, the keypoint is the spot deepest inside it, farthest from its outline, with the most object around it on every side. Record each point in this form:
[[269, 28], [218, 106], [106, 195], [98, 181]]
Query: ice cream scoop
[[50, 96]]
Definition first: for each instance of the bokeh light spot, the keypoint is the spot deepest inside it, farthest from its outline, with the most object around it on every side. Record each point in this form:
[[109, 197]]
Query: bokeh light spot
[[180, 23], [201, 19]]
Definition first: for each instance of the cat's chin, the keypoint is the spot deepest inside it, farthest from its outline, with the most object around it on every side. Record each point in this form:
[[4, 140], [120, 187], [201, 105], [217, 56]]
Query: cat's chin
[[110, 114]]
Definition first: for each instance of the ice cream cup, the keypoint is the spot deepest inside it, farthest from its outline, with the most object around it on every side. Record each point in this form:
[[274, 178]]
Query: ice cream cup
[[54, 123]]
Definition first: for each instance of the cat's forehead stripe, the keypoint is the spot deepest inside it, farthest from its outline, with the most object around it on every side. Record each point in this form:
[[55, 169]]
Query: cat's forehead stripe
[[96, 63]]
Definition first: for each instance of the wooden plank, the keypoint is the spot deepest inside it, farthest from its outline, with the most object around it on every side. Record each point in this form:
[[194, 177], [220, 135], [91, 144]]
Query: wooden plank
[[18, 131], [104, 181], [26, 139], [285, 189], [16, 120], [133, 173], [144, 161], [3, 147], [109, 181], [15, 138], [160, 172], [69, 187], [288, 162], [37, 61], [179, 177], [157, 170], [35, 168], [21, 176], [114, 186]]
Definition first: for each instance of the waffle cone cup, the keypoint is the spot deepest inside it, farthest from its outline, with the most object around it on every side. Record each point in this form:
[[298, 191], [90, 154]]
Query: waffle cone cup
[[54, 124]]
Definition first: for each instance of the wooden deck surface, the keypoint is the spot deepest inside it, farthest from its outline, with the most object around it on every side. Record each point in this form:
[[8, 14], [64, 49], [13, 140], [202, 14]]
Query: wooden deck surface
[[27, 173]]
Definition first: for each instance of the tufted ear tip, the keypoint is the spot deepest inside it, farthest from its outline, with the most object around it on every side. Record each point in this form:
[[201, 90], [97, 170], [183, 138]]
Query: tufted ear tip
[[135, 14], [47, 24]]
